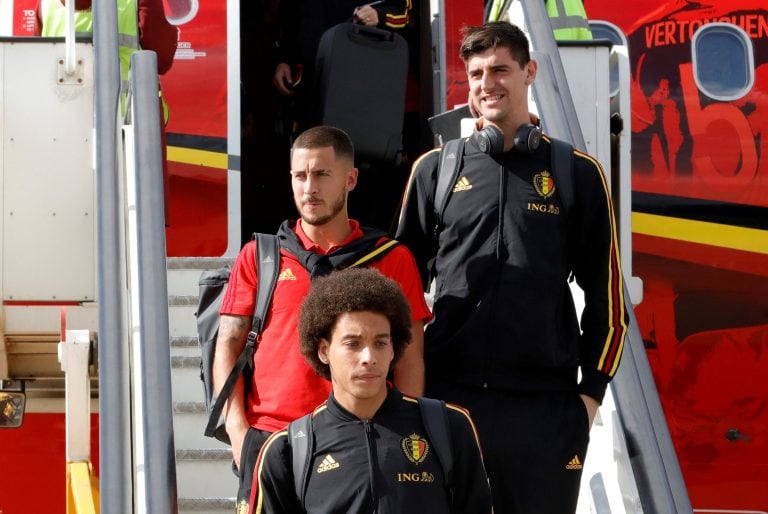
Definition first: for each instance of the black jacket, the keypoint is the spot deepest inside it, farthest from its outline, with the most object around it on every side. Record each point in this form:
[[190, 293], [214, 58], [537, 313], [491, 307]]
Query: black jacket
[[383, 466], [504, 315]]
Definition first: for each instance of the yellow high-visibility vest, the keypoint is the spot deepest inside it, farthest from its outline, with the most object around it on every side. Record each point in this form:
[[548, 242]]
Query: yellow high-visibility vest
[[568, 19]]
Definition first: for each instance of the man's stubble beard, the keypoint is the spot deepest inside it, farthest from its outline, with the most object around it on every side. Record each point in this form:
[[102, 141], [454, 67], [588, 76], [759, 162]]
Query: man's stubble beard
[[321, 220]]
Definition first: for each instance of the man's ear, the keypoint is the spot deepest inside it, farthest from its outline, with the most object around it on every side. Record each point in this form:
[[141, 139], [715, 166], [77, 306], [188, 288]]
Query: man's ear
[[322, 351], [352, 179], [531, 69]]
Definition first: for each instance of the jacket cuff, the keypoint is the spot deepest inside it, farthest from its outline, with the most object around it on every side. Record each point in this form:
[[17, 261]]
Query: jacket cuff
[[593, 383]]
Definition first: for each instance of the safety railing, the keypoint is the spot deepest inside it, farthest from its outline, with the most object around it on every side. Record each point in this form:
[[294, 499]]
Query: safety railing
[[654, 462], [137, 466]]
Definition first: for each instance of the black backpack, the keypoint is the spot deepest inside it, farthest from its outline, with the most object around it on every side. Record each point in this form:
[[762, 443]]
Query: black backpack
[[361, 252], [301, 437], [213, 284]]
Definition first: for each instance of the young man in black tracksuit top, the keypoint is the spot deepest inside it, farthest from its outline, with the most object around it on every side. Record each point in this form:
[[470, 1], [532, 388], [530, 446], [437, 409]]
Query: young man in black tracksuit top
[[505, 340], [371, 451]]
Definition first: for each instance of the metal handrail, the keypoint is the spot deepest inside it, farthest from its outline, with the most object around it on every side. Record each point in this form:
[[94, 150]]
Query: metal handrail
[[114, 417], [654, 462], [69, 39], [153, 407]]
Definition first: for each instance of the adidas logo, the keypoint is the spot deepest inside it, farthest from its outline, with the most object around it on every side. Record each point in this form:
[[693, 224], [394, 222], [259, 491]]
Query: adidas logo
[[286, 274], [575, 463], [462, 185], [327, 464]]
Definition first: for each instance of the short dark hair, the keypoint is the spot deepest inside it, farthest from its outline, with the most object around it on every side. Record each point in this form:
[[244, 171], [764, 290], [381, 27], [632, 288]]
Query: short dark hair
[[351, 290], [495, 34], [325, 136]]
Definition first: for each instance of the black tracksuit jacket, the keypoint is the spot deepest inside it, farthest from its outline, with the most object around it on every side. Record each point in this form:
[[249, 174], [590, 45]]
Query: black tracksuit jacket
[[383, 466], [504, 315]]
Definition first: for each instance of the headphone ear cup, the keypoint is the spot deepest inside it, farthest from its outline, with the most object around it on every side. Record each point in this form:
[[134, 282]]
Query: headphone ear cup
[[490, 140], [527, 138]]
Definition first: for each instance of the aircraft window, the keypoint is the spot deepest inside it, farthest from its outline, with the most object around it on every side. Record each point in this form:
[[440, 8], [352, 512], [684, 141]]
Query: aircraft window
[[723, 61], [180, 12], [606, 30]]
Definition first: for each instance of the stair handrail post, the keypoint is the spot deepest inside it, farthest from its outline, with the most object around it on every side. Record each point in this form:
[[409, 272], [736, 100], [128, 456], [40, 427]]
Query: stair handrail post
[[116, 495], [152, 360], [654, 461]]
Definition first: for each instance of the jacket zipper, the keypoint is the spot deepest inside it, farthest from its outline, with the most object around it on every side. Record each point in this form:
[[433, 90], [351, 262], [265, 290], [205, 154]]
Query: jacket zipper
[[491, 342], [369, 445]]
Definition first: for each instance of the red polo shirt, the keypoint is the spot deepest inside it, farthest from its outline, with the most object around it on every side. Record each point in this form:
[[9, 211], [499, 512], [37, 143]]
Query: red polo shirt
[[284, 386]]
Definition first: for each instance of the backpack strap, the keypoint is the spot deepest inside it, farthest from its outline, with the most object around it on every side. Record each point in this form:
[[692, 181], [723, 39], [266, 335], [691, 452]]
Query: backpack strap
[[267, 252], [562, 169], [447, 175], [301, 437], [434, 415], [362, 251], [377, 253]]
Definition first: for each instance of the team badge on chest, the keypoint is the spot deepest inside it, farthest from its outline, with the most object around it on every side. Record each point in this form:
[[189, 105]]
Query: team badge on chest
[[415, 448], [544, 184]]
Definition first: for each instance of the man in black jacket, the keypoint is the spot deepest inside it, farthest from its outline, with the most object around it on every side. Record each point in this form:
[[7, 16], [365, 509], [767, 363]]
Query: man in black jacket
[[505, 340], [371, 448], [302, 24]]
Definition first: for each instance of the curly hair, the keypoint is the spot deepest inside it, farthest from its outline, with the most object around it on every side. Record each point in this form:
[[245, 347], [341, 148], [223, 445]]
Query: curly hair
[[496, 34], [351, 290]]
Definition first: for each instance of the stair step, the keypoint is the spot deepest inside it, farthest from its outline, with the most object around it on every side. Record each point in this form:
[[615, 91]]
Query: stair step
[[188, 407], [184, 273], [189, 420], [185, 346], [185, 361], [206, 454], [186, 385], [182, 300], [205, 473], [184, 342], [206, 484], [197, 263], [207, 505], [181, 319]]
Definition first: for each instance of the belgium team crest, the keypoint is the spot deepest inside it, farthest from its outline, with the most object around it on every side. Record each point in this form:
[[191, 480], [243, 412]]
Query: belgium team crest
[[544, 184], [415, 448]]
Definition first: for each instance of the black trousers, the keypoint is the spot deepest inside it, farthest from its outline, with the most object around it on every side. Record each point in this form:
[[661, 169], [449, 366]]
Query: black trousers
[[534, 445], [254, 440]]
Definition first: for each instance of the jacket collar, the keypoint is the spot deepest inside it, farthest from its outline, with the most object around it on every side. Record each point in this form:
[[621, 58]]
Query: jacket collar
[[335, 409]]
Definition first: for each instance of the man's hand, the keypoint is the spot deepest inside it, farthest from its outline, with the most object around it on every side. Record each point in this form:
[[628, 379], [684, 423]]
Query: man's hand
[[591, 405], [367, 15], [237, 437], [283, 79]]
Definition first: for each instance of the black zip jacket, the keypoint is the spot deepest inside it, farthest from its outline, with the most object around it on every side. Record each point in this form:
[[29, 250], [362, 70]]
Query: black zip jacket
[[383, 466], [504, 315]]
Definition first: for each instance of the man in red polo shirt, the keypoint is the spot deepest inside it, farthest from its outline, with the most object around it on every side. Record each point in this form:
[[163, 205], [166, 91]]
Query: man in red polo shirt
[[284, 386]]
